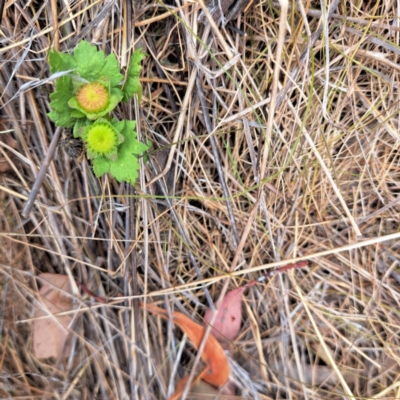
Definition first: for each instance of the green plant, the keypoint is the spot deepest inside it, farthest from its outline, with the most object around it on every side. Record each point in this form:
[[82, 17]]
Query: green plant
[[89, 90]]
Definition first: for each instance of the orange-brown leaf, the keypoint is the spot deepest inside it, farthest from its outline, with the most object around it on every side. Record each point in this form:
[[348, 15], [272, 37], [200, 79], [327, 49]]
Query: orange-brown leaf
[[217, 369]]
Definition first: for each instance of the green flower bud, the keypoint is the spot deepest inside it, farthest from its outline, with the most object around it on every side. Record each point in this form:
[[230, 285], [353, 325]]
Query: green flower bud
[[102, 140], [93, 97]]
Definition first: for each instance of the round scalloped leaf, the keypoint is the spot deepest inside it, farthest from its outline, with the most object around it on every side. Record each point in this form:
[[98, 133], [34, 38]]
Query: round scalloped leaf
[[111, 70], [92, 64], [126, 166], [90, 61], [61, 61], [60, 112]]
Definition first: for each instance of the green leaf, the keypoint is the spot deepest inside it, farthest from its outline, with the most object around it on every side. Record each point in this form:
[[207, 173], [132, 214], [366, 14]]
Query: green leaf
[[90, 61], [132, 84], [61, 113], [101, 166], [117, 92], [126, 166], [61, 61], [111, 70], [136, 60], [139, 92], [77, 114], [79, 127], [61, 119], [62, 93]]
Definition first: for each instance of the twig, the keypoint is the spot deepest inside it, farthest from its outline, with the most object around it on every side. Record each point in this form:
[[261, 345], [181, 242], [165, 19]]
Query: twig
[[42, 173], [273, 272], [90, 293]]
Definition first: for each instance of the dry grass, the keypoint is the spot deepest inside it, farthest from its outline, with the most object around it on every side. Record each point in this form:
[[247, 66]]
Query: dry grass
[[325, 168]]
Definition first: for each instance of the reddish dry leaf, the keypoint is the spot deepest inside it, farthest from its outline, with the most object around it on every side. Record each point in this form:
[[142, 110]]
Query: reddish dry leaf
[[217, 369], [50, 334], [226, 326]]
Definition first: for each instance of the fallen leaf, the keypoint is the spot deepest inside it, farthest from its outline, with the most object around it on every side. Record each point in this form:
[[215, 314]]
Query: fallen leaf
[[50, 334], [4, 161], [217, 371], [226, 326]]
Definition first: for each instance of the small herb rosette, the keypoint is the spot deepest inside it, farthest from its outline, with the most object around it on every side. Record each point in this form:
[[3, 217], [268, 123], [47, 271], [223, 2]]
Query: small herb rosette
[[89, 86], [92, 84]]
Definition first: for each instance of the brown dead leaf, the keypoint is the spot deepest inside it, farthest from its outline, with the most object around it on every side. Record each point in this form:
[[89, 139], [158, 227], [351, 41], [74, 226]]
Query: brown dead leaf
[[50, 334]]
